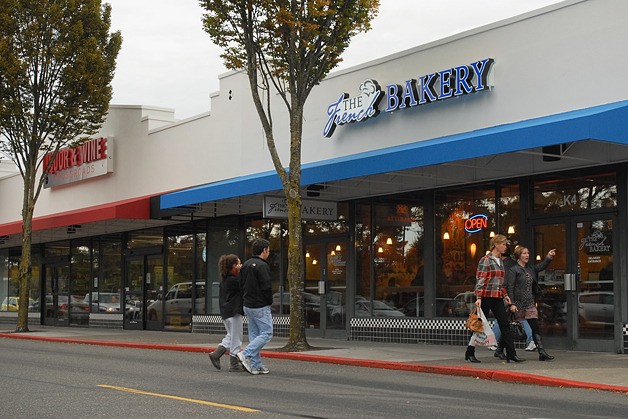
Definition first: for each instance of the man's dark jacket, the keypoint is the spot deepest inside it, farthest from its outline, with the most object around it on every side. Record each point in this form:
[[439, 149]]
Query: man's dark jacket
[[256, 283]]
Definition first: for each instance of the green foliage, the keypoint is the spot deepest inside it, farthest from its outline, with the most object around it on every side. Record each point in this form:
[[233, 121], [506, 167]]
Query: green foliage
[[298, 41], [57, 60]]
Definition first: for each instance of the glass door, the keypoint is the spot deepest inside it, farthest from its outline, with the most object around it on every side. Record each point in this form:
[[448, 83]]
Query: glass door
[[143, 292], [577, 310], [61, 307], [325, 285]]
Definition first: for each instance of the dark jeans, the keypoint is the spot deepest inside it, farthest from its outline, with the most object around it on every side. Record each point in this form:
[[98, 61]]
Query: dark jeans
[[496, 305]]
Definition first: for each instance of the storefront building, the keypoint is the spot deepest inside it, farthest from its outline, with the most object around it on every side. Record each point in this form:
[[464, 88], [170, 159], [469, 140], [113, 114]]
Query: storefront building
[[410, 164]]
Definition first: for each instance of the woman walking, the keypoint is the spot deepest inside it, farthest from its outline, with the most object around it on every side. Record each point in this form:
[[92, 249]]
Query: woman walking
[[231, 311], [491, 295], [519, 285]]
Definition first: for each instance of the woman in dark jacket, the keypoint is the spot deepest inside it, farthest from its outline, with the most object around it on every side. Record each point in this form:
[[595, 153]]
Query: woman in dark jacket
[[231, 311], [520, 279]]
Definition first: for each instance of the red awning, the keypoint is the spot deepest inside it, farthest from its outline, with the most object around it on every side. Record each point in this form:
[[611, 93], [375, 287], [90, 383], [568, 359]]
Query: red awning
[[135, 208]]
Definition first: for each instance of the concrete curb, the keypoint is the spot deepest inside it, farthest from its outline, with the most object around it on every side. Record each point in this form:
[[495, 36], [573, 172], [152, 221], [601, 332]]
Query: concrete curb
[[484, 374]]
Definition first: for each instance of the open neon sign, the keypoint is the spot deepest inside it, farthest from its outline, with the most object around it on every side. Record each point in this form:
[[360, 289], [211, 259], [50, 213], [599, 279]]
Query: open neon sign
[[476, 223]]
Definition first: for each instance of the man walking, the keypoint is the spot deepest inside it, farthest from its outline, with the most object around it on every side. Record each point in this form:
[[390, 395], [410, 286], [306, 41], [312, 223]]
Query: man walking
[[258, 297]]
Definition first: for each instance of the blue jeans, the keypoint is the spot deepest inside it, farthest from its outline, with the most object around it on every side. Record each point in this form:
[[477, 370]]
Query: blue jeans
[[526, 328], [260, 333]]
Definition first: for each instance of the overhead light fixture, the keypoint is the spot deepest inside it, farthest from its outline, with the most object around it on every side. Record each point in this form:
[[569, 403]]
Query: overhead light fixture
[[473, 249], [314, 262], [492, 234], [511, 230], [446, 235], [380, 250], [333, 253], [538, 257], [338, 248], [307, 254], [389, 241]]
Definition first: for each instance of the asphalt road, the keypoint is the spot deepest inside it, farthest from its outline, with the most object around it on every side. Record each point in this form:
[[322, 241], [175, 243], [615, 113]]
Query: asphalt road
[[54, 380]]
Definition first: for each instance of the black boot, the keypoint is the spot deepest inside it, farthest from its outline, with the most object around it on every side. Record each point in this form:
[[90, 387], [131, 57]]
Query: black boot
[[543, 356], [499, 352], [215, 356], [470, 355], [235, 365]]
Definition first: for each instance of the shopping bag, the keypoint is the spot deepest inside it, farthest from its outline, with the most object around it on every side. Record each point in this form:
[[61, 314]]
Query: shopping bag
[[486, 337], [474, 322]]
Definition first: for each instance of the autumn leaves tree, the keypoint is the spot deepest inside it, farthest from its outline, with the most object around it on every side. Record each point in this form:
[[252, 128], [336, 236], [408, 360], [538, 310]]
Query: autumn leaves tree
[[57, 60], [286, 47]]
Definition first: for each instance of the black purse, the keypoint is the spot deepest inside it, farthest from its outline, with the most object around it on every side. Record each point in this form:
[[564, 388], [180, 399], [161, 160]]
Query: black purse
[[516, 329]]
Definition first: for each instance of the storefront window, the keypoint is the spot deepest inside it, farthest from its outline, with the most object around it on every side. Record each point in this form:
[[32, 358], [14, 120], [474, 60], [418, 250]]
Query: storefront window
[[363, 251], [313, 228], [80, 279], [224, 237], [9, 283], [582, 193], [398, 259], [181, 277], [389, 249], [465, 222], [144, 239], [510, 213], [107, 278]]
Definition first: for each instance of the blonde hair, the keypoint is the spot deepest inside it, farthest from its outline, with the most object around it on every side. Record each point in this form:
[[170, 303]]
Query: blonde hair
[[498, 239]]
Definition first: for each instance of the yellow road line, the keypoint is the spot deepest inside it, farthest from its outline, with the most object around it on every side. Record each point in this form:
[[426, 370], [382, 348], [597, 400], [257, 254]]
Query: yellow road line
[[184, 399]]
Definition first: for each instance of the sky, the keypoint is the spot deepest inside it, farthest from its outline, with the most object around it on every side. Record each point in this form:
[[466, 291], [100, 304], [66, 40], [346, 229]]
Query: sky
[[167, 60]]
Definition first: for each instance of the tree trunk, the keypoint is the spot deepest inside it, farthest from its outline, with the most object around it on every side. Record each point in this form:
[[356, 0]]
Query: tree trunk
[[25, 269], [297, 340]]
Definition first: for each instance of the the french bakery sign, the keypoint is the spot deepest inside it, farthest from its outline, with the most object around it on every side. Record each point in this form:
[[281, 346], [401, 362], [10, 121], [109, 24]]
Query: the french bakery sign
[[433, 87], [87, 160]]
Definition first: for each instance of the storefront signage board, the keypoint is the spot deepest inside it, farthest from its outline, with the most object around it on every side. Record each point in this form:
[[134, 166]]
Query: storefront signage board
[[89, 159], [277, 207], [433, 87]]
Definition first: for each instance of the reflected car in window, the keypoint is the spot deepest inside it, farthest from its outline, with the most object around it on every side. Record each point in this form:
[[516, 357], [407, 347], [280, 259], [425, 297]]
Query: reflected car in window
[[596, 308], [380, 309], [75, 305], [13, 304], [104, 302], [178, 302]]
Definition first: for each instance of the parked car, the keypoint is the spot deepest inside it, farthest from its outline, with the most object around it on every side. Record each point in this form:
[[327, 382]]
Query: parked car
[[104, 302], [13, 304], [178, 302], [10, 303], [75, 305], [596, 308], [380, 309], [312, 303]]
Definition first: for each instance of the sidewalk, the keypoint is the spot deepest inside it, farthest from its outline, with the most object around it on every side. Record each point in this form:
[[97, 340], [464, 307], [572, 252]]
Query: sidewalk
[[592, 370]]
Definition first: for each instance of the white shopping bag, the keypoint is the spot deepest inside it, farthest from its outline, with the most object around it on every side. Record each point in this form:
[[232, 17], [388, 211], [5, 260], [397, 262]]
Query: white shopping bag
[[486, 338]]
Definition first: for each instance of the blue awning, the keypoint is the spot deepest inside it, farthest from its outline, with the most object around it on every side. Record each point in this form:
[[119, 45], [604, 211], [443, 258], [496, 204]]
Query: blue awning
[[604, 123]]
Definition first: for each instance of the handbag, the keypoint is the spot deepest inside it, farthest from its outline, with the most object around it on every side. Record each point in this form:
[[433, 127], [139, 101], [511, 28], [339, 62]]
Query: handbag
[[474, 322], [516, 329]]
